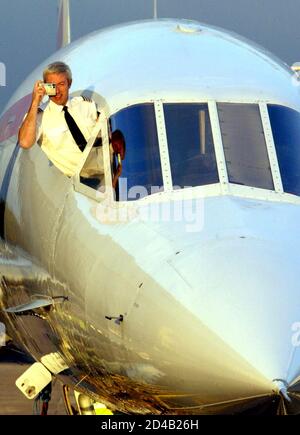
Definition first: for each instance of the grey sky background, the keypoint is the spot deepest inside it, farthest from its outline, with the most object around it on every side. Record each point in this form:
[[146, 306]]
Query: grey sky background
[[28, 27]]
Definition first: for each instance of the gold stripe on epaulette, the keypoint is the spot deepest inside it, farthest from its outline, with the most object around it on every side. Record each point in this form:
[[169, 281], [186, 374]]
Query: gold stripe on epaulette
[[86, 98]]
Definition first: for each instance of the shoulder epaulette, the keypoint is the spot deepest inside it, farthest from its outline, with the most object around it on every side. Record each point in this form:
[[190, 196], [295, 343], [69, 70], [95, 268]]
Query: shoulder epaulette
[[86, 99]]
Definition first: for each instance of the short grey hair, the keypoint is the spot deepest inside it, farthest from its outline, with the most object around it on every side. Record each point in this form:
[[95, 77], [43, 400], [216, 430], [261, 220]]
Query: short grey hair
[[57, 68]]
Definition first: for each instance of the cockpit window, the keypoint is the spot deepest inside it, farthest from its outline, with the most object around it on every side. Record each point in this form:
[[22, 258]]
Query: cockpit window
[[138, 166], [191, 148], [285, 123], [244, 144]]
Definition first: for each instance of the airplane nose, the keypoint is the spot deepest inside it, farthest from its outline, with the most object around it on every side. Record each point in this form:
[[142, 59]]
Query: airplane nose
[[215, 320], [246, 291]]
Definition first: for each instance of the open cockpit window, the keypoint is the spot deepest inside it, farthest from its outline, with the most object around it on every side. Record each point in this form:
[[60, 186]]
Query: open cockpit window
[[285, 123], [244, 144], [92, 172], [191, 147], [136, 166]]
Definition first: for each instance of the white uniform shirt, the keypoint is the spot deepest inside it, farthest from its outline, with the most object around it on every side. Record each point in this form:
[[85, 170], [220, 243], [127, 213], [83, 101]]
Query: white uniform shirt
[[54, 136]]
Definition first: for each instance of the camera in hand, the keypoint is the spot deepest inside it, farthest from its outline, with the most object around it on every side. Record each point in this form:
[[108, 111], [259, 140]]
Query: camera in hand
[[50, 89]]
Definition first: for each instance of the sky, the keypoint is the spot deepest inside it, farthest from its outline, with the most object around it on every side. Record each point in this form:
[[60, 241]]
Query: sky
[[28, 27]]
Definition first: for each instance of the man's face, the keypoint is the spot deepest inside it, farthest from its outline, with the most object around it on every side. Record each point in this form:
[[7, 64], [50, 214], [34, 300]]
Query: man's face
[[62, 87]]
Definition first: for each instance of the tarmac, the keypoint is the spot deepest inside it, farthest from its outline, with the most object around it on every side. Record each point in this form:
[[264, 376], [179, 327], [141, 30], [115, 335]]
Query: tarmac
[[12, 401]]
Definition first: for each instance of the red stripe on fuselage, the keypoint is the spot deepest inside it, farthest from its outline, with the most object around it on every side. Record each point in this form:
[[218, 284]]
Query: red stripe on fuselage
[[11, 120]]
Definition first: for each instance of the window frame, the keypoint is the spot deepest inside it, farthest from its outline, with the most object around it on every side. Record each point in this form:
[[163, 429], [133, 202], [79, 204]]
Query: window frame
[[223, 187], [155, 118], [297, 110], [251, 191], [248, 145], [165, 155], [101, 127]]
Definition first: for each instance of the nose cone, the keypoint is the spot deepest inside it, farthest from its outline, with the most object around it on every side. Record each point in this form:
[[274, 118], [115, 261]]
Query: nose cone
[[248, 294]]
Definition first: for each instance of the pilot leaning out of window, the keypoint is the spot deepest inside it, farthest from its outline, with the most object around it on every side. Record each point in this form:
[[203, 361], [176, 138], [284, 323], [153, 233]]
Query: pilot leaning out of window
[[63, 125]]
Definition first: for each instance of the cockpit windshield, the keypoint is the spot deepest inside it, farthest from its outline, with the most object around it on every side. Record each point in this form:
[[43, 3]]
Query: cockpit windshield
[[191, 147], [140, 169], [285, 124], [244, 145], [138, 158]]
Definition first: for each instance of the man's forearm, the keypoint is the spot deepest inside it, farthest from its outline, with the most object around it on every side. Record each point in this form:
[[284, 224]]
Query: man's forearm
[[27, 131]]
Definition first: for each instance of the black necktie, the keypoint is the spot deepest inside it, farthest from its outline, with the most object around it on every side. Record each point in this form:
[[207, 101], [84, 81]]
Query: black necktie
[[74, 129]]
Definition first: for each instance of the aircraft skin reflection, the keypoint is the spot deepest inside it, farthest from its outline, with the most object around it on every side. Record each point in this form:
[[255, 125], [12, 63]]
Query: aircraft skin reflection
[[151, 314]]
